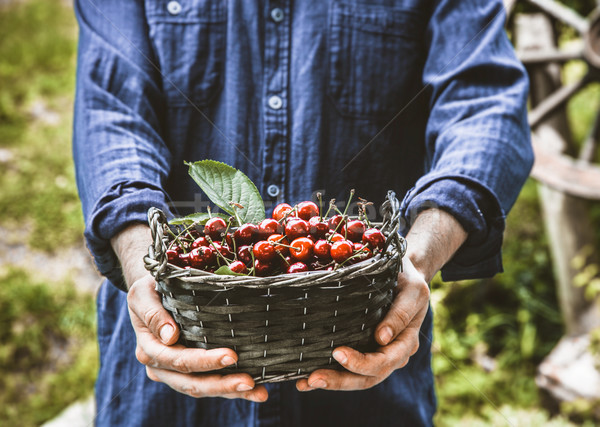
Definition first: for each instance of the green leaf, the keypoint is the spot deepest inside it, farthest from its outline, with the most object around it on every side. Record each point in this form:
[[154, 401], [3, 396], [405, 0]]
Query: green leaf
[[226, 271], [224, 184], [201, 218]]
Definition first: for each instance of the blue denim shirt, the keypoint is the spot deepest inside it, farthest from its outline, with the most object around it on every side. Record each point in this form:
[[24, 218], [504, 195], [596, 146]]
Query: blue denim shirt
[[424, 97]]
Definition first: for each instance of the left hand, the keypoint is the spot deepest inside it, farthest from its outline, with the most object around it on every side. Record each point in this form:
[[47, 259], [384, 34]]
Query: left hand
[[398, 335]]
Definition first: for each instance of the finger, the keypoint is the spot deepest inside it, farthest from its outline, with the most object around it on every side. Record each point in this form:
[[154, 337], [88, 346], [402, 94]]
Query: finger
[[411, 300], [328, 379], [178, 358], [384, 361], [144, 302], [210, 385]]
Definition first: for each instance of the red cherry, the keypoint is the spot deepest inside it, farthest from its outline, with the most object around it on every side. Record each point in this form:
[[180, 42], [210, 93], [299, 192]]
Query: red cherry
[[184, 260], [223, 250], [243, 254], [200, 241], [297, 267], [307, 210], [204, 256], [336, 222], [336, 237], [264, 251], [269, 226], [373, 238], [353, 230], [279, 240], [341, 251], [238, 267], [295, 228], [322, 250], [364, 252], [215, 227], [173, 256], [262, 268], [301, 249], [245, 234], [317, 228], [280, 211]]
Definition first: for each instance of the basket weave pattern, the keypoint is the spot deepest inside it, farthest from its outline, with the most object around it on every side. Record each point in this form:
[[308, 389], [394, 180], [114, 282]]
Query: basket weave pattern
[[282, 327]]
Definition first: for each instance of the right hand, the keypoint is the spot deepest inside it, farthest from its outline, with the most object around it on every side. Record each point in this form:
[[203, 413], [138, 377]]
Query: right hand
[[175, 365]]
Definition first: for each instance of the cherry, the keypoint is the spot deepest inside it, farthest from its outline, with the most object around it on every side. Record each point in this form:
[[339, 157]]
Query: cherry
[[264, 251], [262, 268], [353, 230], [307, 210], [203, 256], [173, 255], [280, 211], [223, 250], [184, 260], [200, 241], [279, 240], [322, 250], [296, 228], [229, 240], [317, 227], [238, 267], [244, 255], [215, 227], [374, 238], [363, 252], [245, 234], [341, 251], [301, 249], [297, 267], [269, 226], [336, 222], [336, 237]]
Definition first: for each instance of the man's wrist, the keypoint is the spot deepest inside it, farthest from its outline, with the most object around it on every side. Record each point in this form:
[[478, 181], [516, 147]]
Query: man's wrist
[[432, 241], [131, 245]]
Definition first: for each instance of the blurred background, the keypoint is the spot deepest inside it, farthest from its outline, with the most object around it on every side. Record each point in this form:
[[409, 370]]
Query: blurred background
[[491, 336]]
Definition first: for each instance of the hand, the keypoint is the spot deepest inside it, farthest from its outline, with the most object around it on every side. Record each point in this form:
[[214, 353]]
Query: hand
[[175, 365], [398, 335]]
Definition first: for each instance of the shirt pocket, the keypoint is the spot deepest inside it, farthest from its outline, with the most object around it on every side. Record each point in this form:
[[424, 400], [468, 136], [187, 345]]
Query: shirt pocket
[[189, 39], [376, 56]]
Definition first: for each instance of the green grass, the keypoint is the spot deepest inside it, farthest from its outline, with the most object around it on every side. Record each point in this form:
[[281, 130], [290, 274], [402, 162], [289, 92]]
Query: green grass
[[48, 356], [37, 47]]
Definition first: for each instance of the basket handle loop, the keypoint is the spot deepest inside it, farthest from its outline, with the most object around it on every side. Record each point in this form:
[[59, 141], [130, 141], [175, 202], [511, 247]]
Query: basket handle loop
[[156, 261], [390, 210]]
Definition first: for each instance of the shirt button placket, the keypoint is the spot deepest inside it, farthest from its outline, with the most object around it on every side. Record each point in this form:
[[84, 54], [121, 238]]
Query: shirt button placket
[[275, 79]]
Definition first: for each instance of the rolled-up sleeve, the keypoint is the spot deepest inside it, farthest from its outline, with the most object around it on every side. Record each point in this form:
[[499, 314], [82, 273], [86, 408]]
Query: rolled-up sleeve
[[478, 141], [121, 160]]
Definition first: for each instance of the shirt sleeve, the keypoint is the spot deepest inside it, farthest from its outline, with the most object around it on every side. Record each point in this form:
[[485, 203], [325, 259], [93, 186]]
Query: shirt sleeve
[[478, 148], [121, 160]]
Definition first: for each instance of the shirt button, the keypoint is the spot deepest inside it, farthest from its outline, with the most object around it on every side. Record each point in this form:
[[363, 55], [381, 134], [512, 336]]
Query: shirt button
[[277, 14], [174, 7], [273, 190], [275, 102]]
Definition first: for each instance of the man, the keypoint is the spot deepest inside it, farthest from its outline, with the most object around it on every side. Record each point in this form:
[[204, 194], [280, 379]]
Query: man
[[424, 97]]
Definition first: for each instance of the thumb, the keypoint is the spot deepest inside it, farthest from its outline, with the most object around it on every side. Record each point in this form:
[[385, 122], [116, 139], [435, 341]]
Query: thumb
[[144, 302]]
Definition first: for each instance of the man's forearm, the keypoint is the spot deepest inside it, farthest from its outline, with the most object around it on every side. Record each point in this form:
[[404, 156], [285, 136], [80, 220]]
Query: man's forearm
[[131, 245], [432, 241]]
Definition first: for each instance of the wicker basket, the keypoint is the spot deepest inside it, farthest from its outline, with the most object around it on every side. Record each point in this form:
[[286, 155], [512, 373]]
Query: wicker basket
[[286, 326]]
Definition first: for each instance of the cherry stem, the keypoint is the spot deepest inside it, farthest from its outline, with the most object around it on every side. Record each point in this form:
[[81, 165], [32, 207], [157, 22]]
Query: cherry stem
[[353, 256], [176, 237], [331, 203], [320, 198], [294, 209], [348, 204], [219, 254], [209, 212], [281, 255], [235, 207]]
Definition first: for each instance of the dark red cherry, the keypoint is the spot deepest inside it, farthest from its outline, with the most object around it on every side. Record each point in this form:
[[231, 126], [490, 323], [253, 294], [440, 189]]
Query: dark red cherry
[[353, 230], [373, 238], [307, 210], [215, 228], [322, 250], [301, 249], [362, 252], [280, 211], [336, 237], [336, 223], [279, 242], [341, 251], [238, 267], [297, 267], [184, 260], [245, 234], [317, 228], [200, 241], [223, 250], [243, 254], [262, 268], [269, 226], [264, 251], [296, 228]]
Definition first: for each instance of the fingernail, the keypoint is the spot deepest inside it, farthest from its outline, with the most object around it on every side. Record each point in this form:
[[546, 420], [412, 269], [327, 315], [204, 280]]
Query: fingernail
[[318, 384], [340, 356], [166, 333], [243, 386], [228, 360], [385, 335]]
